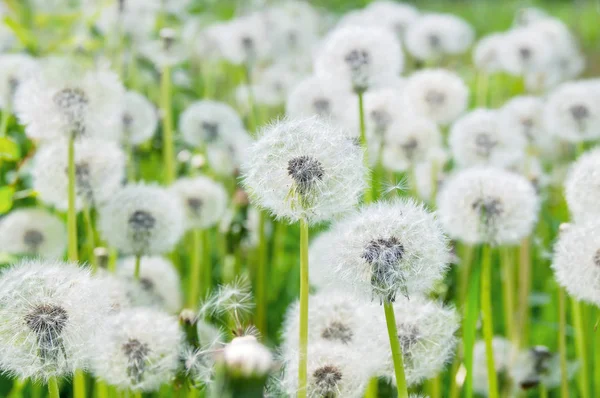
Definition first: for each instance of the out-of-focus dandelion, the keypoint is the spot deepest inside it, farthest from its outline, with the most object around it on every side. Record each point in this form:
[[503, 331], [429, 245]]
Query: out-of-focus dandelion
[[210, 122]]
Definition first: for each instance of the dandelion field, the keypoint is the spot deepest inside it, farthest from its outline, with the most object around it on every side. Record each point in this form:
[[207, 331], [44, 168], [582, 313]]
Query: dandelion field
[[325, 199]]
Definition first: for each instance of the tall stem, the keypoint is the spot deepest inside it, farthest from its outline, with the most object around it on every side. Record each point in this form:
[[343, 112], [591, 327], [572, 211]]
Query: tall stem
[[101, 389], [252, 115], [470, 326], [486, 312], [372, 388], [302, 360], [79, 389], [596, 338], [581, 347], [363, 141], [138, 264], [390, 320], [507, 290], [90, 238], [261, 276], [71, 212], [168, 148], [53, 391], [524, 287], [4, 123], [562, 342], [195, 268]]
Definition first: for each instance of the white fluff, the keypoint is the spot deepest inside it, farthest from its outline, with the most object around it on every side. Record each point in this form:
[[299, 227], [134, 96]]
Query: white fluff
[[139, 118], [203, 199], [434, 35]]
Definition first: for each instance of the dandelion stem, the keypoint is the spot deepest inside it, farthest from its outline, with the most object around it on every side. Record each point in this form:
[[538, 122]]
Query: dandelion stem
[[302, 360], [137, 394], [508, 294], [261, 276], [4, 122], [167, 115], [91, 241], [101, 389], [562, 342], [195, 267], [136, 270], [486, 312], [470, 326], [71, 213], [130, 161], [390, 320], [543, 390], [363, 141], [252, 116], [17, 389], [524, 286], [79, 384], [581, 347], [53, 391], [596, 334], [372, 388], [435, 386]]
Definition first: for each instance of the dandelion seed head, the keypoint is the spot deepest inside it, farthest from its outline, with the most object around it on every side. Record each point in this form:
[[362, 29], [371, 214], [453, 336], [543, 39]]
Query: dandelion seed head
[[524, 114], [139, 118], [395, 16], [581, 186], [525, 50], [319, 96], [245, 357], [136, 18], [204, 200], [210, 122], [433, 35], [14, 70], [487, 53], [538, 365], [504, 353], [244, 40]]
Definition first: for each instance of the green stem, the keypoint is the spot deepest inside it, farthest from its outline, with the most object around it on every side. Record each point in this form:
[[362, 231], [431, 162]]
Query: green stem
[[302, 360], [507, 290], [168, 147], [53, 391], [363, 141], [4, 122], [596, 338], [390, 320], [524, 287], [206, 263], [138, 266], [261, 276], [17, 389], [91, 241], [482, 89], [581, 347], [252, 115], [372, 388], [101, 389], [470, 327], [487, 315], [543, 390], [435, 387], [562, 342], [71, 213], [453, 393], [195, 268], [79, 389], [137, 394]]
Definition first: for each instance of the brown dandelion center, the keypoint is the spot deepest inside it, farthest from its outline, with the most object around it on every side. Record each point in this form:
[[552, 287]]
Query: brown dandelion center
[[358, 60], [322, 106], [137, 357], [326, 379], [47, 322], [195, 205], [597, 258], [409, 336], [71, 100], [484, 144], [248, 46], [142, 220], [147, 284], [211, 130], [121, 6], [33, 239], [305, 171], [525, 53], [435, 98], [434, 41], [579, 112], [381, 120], [338, 331], [384, 256], [127, 120], [410, 147], [489, 209], [168, 39]]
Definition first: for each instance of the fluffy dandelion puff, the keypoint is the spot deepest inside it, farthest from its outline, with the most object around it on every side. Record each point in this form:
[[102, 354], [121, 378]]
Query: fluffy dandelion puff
[[246, 357], [581, 187], [14, 70], [204, 200], [321, 275], [437, 94], [63, 100], [142, 219], [50, 312], [572, 112], [139, 118], [226, 159], [135, 18], [244, 41], [525, 50], [319, 96], [207, 122], [426, 332], [117, 290], [166, 51], [478, 139], [33, 232], [139, 351], [382, 108], [361, 58], [536, 366], [433, 35], [159, 284], [487, 53], [99, 172], [305, 169], [396, 16], [524, 114], [474, 206], [390, 249], [504, 353]]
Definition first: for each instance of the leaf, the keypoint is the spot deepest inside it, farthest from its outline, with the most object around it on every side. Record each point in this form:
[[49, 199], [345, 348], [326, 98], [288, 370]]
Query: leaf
[[6, 198], [9, 149]]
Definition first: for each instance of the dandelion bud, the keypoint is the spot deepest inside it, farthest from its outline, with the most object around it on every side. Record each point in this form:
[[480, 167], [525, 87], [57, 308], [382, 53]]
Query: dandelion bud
[[244, 41], [474, 206], [99, 173], [139, 118], [49, 315], [305, 169], [33, 232], [139, 350], [361, 58], [14, 70], [204, 200], [437, 94], [209, 122], [142, 219], [246, 357], [390, 248], [478, 139]]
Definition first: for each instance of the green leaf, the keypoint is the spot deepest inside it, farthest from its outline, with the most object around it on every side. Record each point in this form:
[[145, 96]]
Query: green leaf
[[24, 36], [9, 149], [6, 199]]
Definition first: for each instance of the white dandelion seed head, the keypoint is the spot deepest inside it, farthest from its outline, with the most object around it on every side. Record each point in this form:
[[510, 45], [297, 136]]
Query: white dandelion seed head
[[395, 16], [474, 206], [139, 351], [434, 35], [63, 100], [321, 275], [201, 37], [409, 141], [430, 175], [524, 114], [166, 51], [247, 358], [479, 139], [135, 18], [437, 94], [572, 112], [245, 40], [142, 219], [389, 249], [335, 318], [382, 107], [525, 50], [274, 83], [426, 330], [581, 186], [487, 53], [159, 285], [323, 97], [305, 169], [533, 169], [557, 33], [291, 37], [14, 70], [207, 121], [33, 232], [199, 362], [332, 370], [204, 200], [50, 311], [116, 290], [139, 118], [225, 159], [504, 353], [361, 58], [99, 172], [538, 365], [527, 15]]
